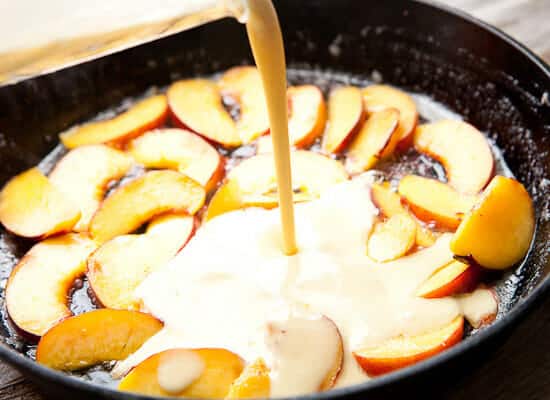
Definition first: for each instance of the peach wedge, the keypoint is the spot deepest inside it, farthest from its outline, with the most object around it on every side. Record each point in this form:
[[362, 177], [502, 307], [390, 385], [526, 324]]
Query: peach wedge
[[309, 334], [434, 201], [252, 182], [156, 192], [307, 118], [83, 175], [38, 287], [181, 150], [392, 238], [196, 104], [307, 115], [386, 200], [141, 117], [372, 141], [346, 114], [95, 337], [498, 231], [117, 268], [244, 85], [31, 206], [479, 307], [389, 204], [463, 151], [182, 373], [404, 351], [451, 279], [381, 97], [253, 383]]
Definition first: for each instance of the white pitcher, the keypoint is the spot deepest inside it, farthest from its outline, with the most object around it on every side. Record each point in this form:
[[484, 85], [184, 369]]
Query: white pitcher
[[41, 36]]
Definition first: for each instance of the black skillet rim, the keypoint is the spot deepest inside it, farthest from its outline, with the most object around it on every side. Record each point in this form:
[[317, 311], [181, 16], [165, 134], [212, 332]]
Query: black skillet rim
[[507, 321]]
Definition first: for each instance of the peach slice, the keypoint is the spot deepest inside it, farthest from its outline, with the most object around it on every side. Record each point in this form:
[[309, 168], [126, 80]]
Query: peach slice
[[253, 383], [463, 151], [498, 231], [83, 174], [307, 115], [305, 335], [38, 287], [31, 206], [389, 203], [372, 140], [334, 371], [380, 97], [451, 279], [253, 183], [141, 117], [480, 307], [117, 268], [434, 201], [196, 104], [392, 239], [346, 114], [95, 337], [135, 203], [386, 200], [424, 236], [182, 373], [244, 84], [181, 150], [227, 198], [403, 351]]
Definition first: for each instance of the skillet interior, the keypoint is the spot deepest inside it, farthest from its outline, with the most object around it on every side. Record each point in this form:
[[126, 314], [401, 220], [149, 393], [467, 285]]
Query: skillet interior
[[487, 79]]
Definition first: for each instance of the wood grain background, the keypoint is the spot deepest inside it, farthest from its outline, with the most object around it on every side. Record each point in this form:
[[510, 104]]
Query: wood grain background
[[521, 368]]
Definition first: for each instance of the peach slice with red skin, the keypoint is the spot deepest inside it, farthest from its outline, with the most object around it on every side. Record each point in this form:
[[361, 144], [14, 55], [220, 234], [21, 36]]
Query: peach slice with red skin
[[381, 97], [386, 200], [117, 268], [307, 118], [334, 371], [463, 151], [253, 182], [451, 279], [31, 206], [196, 104], [403, 351], [307, 115], [253, 383], [434, 201], [95, 337], [147, 114], [346, 115], [306, 334], [83, 175], [498, 230], [181, 150], [155, 193], [392, 238], [480, 307], [38, 287], [219, 368], [244, 85], [372, 141], [389, 203]]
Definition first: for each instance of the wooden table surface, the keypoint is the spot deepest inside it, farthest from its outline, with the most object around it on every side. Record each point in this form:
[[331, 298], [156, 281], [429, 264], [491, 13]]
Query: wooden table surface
[[521, 368]]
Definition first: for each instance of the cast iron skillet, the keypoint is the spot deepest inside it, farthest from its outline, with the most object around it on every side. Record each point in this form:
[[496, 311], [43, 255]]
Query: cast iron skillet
[[478, 71]]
